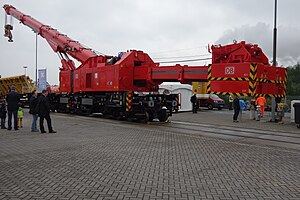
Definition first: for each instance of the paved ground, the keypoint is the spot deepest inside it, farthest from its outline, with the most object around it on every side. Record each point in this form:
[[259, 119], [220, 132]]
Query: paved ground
[[224, 117], [94, 158]]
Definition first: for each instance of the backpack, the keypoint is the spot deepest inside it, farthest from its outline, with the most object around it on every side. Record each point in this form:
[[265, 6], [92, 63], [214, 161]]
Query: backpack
[[242, 105], [193, 99]]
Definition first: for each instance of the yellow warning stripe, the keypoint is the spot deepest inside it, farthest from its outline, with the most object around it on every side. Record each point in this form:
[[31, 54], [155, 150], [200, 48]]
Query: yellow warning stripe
[[284, 92], [276, 81], [209, 72], [285, 78], [253, 71], [262, 80], [247, 94], [270, 95], [228, 79], [252, 88], [129, 101], [231, 93], [208, 86]]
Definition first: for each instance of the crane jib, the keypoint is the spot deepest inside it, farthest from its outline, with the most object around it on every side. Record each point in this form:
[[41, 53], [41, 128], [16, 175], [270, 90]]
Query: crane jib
[[55, 39]]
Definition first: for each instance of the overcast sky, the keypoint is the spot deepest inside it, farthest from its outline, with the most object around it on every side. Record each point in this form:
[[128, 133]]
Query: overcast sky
[[166, 29]]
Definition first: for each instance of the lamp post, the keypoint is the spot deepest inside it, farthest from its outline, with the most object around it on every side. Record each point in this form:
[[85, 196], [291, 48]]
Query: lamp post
[[25, 68], [36, 59], [273, 108], [275, 35]]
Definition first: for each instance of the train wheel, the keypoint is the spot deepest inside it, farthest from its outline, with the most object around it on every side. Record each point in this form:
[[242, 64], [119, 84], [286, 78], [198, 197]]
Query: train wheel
[[151, 119], [163, 116], [146, 118], [117, 115], [89, 112]]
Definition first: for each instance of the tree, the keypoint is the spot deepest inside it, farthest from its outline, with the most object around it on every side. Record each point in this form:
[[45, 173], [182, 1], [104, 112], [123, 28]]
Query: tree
[[293, 80]]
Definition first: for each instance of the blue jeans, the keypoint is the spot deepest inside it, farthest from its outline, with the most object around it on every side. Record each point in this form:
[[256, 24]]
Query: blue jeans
[[33, 125], [15, 114]]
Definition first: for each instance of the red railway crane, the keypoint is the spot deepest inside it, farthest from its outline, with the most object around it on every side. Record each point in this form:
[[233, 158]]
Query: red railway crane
[[112, 84]]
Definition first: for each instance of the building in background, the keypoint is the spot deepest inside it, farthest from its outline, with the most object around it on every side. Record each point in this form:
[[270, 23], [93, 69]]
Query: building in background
[[184, 91]]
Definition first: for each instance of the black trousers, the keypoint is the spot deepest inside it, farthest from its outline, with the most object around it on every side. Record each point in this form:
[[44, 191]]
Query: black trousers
[[236, 114], [195, 107], [230, 105], [3, 121], [48, 119], [15, 114]]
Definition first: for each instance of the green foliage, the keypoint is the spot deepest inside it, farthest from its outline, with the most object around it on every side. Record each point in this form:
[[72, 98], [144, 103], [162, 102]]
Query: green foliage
[[293, 80]]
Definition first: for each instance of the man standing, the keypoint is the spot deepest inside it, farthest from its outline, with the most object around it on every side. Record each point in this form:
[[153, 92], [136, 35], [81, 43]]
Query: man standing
[[44, 112], [32, 107], [12, 99], [3, 112], [261, 101], [194, 103], [236, 108]]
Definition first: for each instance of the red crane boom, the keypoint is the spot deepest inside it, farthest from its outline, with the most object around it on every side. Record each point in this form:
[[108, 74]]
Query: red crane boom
[[60, 43]]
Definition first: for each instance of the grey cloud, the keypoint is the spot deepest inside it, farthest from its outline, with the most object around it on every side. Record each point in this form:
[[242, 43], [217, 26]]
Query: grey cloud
[[262, 34]]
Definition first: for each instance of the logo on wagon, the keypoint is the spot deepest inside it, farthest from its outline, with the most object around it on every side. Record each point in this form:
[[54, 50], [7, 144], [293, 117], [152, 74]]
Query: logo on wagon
[[229, 70]]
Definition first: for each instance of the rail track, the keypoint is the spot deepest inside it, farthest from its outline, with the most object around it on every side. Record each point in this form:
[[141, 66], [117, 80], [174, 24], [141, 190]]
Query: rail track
[[235, 133], [238, 134]]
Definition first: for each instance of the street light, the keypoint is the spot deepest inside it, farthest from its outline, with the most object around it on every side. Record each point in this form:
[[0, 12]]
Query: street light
[[273, 108], [275, 35], [36, 59], [25, 68]]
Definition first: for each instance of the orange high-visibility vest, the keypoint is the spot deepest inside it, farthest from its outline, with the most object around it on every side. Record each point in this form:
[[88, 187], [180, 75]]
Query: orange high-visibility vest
[[261, 101]]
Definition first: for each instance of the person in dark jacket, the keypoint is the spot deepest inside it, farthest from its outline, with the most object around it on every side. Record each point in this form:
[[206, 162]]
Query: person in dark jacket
[[12, 100], [32, 107], [3, 112], [236, 108], [44, 112], [194, 103]]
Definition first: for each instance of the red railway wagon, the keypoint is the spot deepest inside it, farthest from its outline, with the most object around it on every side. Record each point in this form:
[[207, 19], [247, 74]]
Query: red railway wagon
[[126, 85]]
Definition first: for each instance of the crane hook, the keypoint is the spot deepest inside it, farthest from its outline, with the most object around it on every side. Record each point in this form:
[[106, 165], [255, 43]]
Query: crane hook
[[7, 29], [7, 32]]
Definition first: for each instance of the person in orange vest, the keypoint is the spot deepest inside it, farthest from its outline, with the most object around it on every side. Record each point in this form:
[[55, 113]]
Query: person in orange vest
[[261, 101]]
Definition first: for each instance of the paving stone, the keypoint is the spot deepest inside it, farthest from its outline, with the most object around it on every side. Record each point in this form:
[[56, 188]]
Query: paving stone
[[92, 158]]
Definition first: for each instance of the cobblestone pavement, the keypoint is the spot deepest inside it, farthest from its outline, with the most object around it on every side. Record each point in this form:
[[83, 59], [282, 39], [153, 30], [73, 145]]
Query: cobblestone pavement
[[224, 117], [94, 158]]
